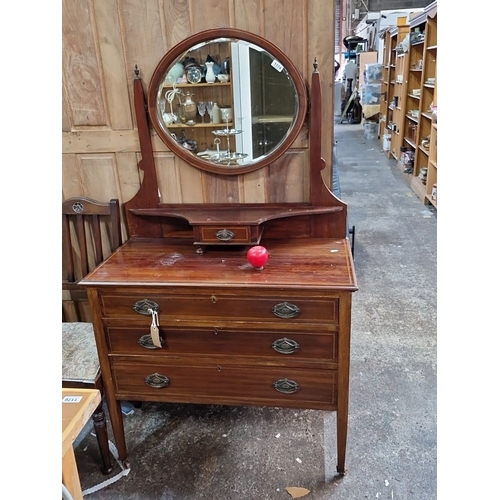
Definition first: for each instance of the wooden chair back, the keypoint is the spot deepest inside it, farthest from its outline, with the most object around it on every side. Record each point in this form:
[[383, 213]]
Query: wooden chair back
[[91, 231]]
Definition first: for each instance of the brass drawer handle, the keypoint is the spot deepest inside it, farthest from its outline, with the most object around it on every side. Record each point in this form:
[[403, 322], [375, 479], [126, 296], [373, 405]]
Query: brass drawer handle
[[146, 307], [157, 381], [286, 386], [285, 346], [224, 235], [286, 310], [147, 342]]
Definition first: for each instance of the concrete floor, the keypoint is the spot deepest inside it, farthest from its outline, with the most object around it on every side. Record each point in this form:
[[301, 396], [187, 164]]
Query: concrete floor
[[196, 452]]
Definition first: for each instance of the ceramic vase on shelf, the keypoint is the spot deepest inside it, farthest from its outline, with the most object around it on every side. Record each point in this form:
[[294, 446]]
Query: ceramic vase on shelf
[[209, 75]]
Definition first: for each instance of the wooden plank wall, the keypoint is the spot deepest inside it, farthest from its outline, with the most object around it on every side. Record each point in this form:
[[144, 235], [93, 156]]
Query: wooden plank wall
[[102, 42]]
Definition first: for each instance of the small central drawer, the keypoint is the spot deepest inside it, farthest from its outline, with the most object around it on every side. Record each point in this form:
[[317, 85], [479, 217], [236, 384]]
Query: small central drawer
[[223, 342], [209, 306], [228, 235], [238, 384]]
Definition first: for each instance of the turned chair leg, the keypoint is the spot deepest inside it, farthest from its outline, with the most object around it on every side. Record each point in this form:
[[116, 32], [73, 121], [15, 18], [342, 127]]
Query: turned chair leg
[[101, 432]]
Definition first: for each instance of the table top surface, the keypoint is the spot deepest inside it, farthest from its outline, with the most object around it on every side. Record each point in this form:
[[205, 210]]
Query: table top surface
[[302, 263], [76, 412]]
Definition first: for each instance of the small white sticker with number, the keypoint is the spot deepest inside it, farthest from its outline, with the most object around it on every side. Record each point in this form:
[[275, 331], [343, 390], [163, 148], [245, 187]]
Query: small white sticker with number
[[277, 65], [72, 399]]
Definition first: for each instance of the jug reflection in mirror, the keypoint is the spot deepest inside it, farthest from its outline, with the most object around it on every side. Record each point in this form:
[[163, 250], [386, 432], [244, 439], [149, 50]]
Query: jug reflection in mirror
[[188, 110]]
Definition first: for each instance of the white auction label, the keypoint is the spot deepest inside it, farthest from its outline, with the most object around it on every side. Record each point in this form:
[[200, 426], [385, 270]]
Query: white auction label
[[277, 65], [72, 399]]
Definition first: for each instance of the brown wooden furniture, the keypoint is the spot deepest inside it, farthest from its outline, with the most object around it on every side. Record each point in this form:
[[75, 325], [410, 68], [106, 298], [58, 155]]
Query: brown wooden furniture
[[84, 222], [425, 170], [181, 316], [77, 407]]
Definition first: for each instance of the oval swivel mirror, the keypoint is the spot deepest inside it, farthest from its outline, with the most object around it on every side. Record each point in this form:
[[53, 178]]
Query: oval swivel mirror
[[227, 101]]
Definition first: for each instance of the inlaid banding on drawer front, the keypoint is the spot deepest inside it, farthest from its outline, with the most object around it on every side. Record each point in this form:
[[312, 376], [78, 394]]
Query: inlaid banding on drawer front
[[226, 307], [219, 341], [238, 383]]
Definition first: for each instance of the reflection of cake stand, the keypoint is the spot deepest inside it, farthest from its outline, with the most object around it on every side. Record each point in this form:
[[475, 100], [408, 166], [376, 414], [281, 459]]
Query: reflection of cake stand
[[228, 132]]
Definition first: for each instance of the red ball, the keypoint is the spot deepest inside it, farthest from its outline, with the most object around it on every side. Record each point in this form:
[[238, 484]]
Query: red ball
[[257, 256]]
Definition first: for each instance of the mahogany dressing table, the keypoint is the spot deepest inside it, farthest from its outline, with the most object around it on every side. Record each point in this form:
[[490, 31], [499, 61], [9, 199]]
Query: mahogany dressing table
[[179, 314]]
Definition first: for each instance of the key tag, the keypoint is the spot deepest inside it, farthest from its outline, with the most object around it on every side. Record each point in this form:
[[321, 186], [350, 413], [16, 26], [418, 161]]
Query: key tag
[[155, 331]]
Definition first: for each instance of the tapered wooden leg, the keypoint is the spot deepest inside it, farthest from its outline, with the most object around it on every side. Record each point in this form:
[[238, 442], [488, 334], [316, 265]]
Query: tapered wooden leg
[[341, 440], [116, 417], [343, 380], [101, 432]]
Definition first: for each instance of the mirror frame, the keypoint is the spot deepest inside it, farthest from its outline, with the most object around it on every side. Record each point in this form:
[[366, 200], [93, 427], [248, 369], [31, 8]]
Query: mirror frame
[[173, 56]]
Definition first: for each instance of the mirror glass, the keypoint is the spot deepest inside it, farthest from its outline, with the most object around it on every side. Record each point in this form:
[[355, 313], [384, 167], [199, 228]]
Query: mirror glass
[[226, 103]]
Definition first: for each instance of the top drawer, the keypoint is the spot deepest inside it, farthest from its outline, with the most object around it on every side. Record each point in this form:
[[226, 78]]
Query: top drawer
[[198, 305]]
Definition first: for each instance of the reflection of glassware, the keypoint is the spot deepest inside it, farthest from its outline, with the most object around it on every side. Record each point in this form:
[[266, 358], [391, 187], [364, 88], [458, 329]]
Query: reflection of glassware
[[226, 114], [210, 107], [202, 107]]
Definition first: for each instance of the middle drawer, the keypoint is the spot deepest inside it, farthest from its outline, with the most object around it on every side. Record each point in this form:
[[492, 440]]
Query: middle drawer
[[216, 341]]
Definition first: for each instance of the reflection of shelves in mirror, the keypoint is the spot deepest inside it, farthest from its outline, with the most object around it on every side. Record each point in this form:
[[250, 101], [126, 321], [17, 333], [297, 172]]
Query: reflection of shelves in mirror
[[272, 119], [192, 85]]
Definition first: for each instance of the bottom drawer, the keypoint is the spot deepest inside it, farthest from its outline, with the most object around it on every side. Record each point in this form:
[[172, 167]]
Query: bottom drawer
[[225, 384]]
